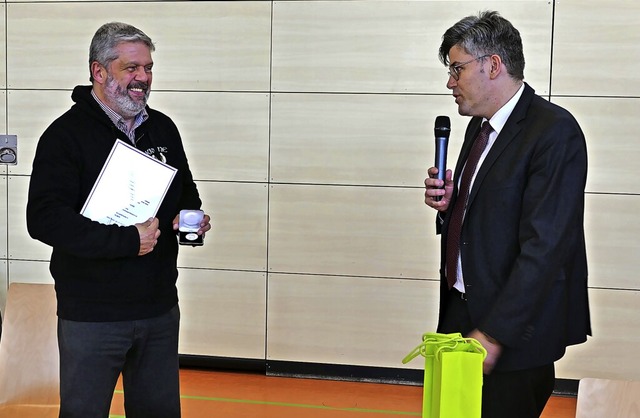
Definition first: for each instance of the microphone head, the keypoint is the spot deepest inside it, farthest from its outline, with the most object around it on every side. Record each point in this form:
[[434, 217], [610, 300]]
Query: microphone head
[[443, 127]]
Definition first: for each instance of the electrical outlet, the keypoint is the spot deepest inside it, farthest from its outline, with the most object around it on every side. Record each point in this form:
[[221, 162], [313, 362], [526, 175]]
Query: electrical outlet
[[8, 149]]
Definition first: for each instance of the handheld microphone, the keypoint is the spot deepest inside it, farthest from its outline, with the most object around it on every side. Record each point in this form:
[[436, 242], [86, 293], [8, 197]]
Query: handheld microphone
[[442, 130]]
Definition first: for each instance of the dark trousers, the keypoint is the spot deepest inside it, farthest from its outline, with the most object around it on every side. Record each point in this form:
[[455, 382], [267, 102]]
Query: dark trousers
[[93, 354], [510, 394]]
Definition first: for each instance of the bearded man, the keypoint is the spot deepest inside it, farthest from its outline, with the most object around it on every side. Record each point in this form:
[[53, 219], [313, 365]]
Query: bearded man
[[117, 301]]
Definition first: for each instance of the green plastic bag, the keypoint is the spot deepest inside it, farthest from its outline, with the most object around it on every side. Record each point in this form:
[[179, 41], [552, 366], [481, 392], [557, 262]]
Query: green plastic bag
[[452, 375]]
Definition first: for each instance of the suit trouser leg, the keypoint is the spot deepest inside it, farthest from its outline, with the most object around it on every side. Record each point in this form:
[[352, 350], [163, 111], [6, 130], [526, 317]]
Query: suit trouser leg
[[513, 394], [91, 357], [520, 393], [151, 378], [93, 354]]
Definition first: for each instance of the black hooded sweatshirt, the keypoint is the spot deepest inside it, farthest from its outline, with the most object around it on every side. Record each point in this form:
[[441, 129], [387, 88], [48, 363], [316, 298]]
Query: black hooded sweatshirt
[[96, 268]]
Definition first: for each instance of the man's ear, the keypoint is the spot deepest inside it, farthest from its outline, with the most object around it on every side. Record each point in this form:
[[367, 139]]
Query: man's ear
[[98, 72], [496, 65]]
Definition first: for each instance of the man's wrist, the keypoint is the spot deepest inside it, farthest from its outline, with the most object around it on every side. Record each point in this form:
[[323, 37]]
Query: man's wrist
[[490, 338]]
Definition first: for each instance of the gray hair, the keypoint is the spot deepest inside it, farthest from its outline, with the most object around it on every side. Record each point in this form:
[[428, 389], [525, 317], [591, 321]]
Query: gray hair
[[487, 33], [108, 37]]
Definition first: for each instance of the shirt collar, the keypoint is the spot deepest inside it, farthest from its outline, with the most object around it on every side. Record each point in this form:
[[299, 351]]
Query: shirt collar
[[499, 119]]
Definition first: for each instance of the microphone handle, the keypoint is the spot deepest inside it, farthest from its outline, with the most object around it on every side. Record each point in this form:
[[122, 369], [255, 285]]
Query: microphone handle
[[441, 159]]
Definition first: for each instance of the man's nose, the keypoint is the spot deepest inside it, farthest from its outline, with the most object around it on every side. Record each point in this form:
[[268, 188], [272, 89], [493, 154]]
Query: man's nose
[[451, 82], [141, 73]]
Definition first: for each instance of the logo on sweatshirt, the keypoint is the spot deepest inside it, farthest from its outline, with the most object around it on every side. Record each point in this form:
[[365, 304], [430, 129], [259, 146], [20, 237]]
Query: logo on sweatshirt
[[159, 153]]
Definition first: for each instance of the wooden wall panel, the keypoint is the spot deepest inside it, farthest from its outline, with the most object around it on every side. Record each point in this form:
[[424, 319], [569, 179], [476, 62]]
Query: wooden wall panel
[[23, 271], [223, 313], [200, 45], [3, 113], [238, 238], [3, 52], [4, 285], [53, 34], [4, 209], [612, 230], [381, 140], [357, 231], [219, 45], [593, 43], [387, 46], [4, 273], [3, 125], [610, 352], [3, 186], [225, 135], [348, 320], [29, 124], [611, 127]]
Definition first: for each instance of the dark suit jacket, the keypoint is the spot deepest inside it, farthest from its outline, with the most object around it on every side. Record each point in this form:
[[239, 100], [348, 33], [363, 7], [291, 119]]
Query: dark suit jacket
[[522, 245]]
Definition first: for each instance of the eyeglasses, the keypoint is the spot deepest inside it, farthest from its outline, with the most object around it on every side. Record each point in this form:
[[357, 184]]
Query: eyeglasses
[[454, 70]]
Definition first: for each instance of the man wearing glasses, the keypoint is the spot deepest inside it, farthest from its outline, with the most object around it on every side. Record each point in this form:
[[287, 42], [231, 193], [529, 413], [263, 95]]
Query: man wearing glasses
[[511, 215]]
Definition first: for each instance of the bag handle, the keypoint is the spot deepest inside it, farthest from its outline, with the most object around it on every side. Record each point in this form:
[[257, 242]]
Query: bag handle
[[430, 340], [433, 344], [470, 345]]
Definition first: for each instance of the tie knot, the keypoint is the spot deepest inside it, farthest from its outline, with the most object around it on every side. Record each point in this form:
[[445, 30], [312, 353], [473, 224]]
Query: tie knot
[[486, 128], [483, 136]]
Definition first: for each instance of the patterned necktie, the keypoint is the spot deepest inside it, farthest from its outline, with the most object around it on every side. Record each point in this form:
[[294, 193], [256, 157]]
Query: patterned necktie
[[457, 215]]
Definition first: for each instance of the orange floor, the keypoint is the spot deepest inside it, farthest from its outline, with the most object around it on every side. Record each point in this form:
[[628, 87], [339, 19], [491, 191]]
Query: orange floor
[[212, 394]]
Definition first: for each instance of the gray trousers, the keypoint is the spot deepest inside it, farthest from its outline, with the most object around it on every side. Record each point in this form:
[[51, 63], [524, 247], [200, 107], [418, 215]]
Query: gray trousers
[[94, 354]]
